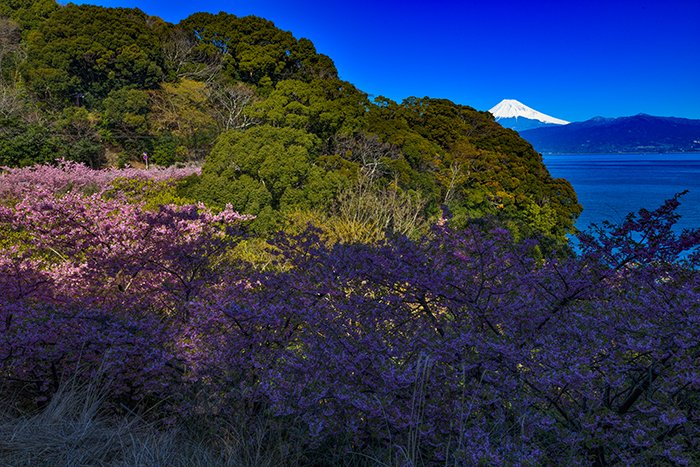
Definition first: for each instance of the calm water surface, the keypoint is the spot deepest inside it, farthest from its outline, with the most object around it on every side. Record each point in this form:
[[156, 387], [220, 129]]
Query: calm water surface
[[611, 185]]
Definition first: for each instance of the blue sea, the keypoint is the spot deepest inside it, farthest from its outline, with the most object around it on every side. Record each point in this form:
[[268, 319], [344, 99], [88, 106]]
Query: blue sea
[[611, 185]]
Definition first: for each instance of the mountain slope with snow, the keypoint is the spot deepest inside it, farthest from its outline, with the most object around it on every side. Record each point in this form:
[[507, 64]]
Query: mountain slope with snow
[[513, 114]]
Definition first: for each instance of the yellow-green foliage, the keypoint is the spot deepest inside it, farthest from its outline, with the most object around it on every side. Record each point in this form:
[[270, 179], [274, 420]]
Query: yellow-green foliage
[[10, 237], [181, 112], [255, 251], [152, 193]]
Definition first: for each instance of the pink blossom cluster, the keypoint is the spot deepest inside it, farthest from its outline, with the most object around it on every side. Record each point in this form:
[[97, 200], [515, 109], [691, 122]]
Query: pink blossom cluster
[[69, 175], [465, 346], [92, 281]]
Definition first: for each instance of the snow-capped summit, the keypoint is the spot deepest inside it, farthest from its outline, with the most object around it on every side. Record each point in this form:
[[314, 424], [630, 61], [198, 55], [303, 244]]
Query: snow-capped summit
[[509, 112]]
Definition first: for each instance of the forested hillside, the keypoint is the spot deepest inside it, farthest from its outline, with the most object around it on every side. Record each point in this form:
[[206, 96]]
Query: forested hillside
[[276, 129]]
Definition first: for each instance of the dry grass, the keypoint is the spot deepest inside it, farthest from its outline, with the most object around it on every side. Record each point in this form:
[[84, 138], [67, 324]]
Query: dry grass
[[75, 430]]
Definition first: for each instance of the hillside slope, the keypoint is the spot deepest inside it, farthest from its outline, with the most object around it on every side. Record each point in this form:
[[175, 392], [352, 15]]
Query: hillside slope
[[266, 115], [639, 133]]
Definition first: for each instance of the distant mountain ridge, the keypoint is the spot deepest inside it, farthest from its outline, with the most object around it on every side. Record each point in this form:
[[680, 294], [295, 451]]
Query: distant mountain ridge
[[638, 133], [515, 115]]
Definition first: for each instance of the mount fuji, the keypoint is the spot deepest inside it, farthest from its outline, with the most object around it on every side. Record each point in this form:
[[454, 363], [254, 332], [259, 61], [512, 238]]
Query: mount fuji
[[517, 116]]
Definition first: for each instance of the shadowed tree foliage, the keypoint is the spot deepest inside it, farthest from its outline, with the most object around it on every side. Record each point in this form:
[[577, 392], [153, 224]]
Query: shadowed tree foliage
[[124, 118], [11, 49]]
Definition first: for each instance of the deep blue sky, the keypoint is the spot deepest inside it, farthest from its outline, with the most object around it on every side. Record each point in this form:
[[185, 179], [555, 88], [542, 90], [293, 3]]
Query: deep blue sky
[[572, 59]]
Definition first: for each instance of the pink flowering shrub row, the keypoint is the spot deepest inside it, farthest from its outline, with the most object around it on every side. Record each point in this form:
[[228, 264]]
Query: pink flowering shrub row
[[69, 175], [462, 347]]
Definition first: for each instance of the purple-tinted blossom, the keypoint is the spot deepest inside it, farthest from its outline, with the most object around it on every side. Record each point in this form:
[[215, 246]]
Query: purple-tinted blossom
[[462, 344]]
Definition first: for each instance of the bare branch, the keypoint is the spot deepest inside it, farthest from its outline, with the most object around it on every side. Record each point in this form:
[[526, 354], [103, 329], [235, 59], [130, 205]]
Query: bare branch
[[11, 101], [368, 150], [187, 60], [229, 104]]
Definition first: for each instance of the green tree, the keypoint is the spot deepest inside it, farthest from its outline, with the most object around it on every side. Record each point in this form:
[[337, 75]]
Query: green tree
[[181, 118], [263, 166], [324, 107], [23, 143], [258, 51], [82, 143], [28, 13], [81, 53], [11, 50], [125, 119]]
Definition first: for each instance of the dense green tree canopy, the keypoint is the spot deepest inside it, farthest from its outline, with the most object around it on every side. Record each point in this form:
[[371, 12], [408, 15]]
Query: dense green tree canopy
[[84, 52], [324, 107], [28, 13], [258, 51], [480, 167], [270, 163]]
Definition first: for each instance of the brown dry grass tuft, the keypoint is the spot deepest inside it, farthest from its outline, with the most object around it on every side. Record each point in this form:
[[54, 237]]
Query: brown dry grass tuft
[[75, 430]]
